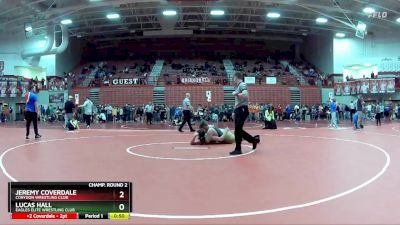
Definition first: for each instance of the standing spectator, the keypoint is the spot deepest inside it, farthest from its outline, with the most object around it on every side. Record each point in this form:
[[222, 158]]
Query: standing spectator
[[31, 112], [69, 113], [378, 115], [172, 113], [359, 108], [114, 114], [288, 112], [121, 113], [87, 111], [187, 110], [6, 113], [149, 109], [369, 111], [333, 108], [352, 110], [279, 110], [109, 110], [167, 113]]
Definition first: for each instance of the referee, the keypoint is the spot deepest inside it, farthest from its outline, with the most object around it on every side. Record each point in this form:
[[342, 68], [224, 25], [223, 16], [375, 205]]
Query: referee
[[187, 108], [31, 111], [240, 115]]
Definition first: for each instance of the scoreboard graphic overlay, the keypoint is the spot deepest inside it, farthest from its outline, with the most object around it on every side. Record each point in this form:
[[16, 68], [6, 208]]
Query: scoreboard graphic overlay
[[70, 200]]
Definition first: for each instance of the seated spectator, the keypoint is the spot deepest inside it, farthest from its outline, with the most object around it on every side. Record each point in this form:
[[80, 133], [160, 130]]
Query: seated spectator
[[102, 118]]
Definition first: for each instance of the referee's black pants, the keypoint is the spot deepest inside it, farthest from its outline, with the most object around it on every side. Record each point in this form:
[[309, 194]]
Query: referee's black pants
[[186, 118], [31, 117], [241, 114], [149, 117]]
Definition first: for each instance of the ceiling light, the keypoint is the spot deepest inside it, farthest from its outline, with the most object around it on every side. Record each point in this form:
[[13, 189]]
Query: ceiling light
[[398, 20], [321, 20], [113, 16], [217, 12], [28, 28], [368, 10], [355, 67], [66, 22], [169, 12], [361, 26], [340, 35], [367, 64], [273, 15]]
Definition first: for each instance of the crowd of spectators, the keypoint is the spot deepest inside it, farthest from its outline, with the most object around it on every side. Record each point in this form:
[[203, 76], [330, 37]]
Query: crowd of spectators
[[103, 72], [223, 113]]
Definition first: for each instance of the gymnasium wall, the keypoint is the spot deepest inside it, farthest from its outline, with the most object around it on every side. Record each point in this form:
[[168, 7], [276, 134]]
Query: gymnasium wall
[[123, 95], [83, 93], [372, 49], [71, 57], [269, 94], [43, 98], [310, 95], [11, 46], [118, 96], [174, 95], [318, 50]]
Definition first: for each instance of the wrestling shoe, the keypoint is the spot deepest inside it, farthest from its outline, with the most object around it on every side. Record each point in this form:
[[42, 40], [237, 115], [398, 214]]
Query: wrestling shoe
[[37, 136], [235, 152], [256, 141]]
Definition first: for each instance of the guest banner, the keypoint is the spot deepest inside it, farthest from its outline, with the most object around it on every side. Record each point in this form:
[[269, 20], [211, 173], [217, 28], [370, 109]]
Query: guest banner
[[366, 86]]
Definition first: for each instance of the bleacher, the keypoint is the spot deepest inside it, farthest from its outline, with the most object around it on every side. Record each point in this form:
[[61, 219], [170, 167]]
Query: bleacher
[[177, 71], [100, 73]]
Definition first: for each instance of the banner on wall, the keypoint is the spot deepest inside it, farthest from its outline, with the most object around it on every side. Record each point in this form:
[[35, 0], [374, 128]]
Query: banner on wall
[[250, 80], [13, 86], [372, 86], [195, 80], [208, 95], [389, 64], [271, 80], [77, 99], [56, 97], [126, 81]]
